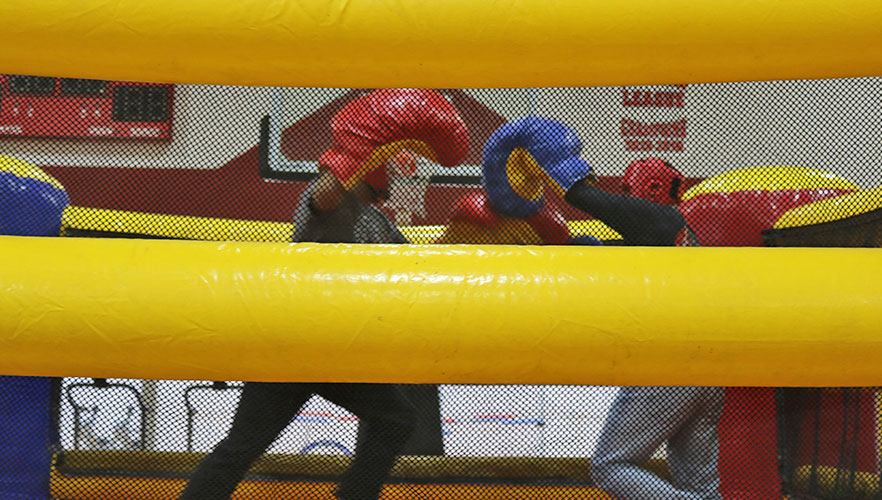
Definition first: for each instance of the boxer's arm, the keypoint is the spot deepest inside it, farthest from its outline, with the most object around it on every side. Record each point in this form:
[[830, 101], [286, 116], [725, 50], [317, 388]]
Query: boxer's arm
[[327, 192], [640, 222]]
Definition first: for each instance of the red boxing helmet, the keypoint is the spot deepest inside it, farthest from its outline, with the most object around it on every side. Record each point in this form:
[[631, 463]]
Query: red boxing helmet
[[653, 179], [373, 128]]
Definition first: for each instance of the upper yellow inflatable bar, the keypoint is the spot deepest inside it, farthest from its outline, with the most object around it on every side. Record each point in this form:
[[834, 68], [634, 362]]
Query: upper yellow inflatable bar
[[450, 43]]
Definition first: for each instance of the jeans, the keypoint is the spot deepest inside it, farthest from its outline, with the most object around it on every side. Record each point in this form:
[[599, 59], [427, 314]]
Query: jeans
[[643, 418]]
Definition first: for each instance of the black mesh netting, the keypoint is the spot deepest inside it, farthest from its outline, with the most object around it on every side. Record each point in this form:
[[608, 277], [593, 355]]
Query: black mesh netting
[[743, 164]]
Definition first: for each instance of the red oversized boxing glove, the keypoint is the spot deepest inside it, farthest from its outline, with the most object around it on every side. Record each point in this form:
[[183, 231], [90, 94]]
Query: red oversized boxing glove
[[475, 209], [374, 127], [550, 225], [475, 221]]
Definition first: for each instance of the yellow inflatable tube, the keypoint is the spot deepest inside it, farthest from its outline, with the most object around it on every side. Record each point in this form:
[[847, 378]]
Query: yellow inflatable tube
[[832, 209], [451, 43], [452, 314]]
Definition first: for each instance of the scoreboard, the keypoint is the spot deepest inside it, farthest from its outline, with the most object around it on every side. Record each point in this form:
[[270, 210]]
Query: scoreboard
[[39, 106]]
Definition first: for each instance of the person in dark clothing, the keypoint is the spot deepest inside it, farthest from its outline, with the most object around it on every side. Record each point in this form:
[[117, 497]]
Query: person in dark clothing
[[339, 208], [641, 418]]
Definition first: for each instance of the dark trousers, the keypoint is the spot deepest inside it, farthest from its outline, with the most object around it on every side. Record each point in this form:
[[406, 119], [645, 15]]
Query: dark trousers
[[427, 437], [265, 409]]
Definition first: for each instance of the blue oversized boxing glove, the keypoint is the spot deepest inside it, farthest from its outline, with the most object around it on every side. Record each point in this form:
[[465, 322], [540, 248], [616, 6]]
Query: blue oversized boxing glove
[[523, 157], [31, 201]]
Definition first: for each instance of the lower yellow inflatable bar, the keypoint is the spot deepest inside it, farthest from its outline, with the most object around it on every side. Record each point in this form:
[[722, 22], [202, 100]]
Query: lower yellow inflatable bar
[[440, 314], [450, 43]]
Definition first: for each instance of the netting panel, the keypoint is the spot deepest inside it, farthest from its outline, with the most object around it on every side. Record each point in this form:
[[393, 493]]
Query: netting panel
[[715, 165]]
